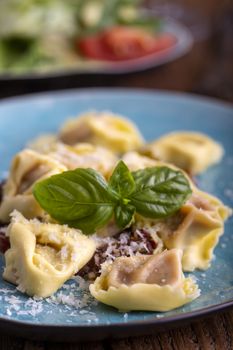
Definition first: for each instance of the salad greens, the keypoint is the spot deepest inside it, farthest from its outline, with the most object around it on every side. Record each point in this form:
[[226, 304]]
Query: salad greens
[[37, 34], [83, 199], [95, 15]]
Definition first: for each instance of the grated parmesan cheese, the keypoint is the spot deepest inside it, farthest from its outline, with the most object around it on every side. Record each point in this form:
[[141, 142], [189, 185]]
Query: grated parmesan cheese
[[73, 296], [128, 243]]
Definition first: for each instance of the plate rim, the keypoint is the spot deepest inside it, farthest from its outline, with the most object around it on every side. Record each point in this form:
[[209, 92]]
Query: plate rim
[[94, 332], [71, 92], [156, 322]]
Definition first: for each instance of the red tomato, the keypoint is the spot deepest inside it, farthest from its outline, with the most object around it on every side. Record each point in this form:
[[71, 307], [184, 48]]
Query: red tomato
[[121, 43]]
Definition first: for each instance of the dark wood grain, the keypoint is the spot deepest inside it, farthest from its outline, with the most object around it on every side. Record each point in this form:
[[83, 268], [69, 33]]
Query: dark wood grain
[[209, 334]]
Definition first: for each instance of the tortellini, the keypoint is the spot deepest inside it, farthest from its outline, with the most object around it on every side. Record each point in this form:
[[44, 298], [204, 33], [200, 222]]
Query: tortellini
[[191, 151], [44, 144], [79, 155], [135, 161], [152, 282], [85, 155], [27, 167], [195, 229], [105, 129], [42, 256]]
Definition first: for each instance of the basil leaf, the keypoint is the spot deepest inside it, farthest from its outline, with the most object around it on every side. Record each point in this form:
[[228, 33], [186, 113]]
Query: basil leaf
[[82, 198], [124, 215], [122, 181], [89, 224], [77, 196], [160, 191]]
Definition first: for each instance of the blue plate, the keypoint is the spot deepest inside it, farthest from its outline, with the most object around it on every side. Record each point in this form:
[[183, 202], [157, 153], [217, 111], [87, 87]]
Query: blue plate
[[155, 113]]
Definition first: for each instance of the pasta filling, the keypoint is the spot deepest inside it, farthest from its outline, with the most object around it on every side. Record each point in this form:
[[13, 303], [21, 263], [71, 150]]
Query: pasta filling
[[161, 269], [30, 177]]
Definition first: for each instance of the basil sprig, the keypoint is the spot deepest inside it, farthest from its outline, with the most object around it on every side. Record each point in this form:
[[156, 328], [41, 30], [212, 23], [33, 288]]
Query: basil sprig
[[82, 198]]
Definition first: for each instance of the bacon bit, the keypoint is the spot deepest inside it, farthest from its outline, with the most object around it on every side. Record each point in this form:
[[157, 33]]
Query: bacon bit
[[4, 241]]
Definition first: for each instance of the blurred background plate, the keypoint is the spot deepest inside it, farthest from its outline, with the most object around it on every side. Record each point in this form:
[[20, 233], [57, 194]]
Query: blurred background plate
[[156, 113], [181, 47], [206, 68]]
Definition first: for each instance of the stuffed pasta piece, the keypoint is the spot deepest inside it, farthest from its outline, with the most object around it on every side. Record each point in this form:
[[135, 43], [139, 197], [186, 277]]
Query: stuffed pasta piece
[[43, 256], [145, 282], [44, 143], [27, 168], [195, 229], [80, 155], [136, 161], [191, 151], [105, 129], [84, 155]]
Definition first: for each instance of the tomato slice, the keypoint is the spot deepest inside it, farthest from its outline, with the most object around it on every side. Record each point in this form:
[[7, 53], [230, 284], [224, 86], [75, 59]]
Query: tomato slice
[[121, 43]]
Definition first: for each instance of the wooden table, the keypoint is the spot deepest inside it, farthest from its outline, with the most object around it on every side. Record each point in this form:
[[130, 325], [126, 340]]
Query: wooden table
[[208, 70], [210, 334]]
